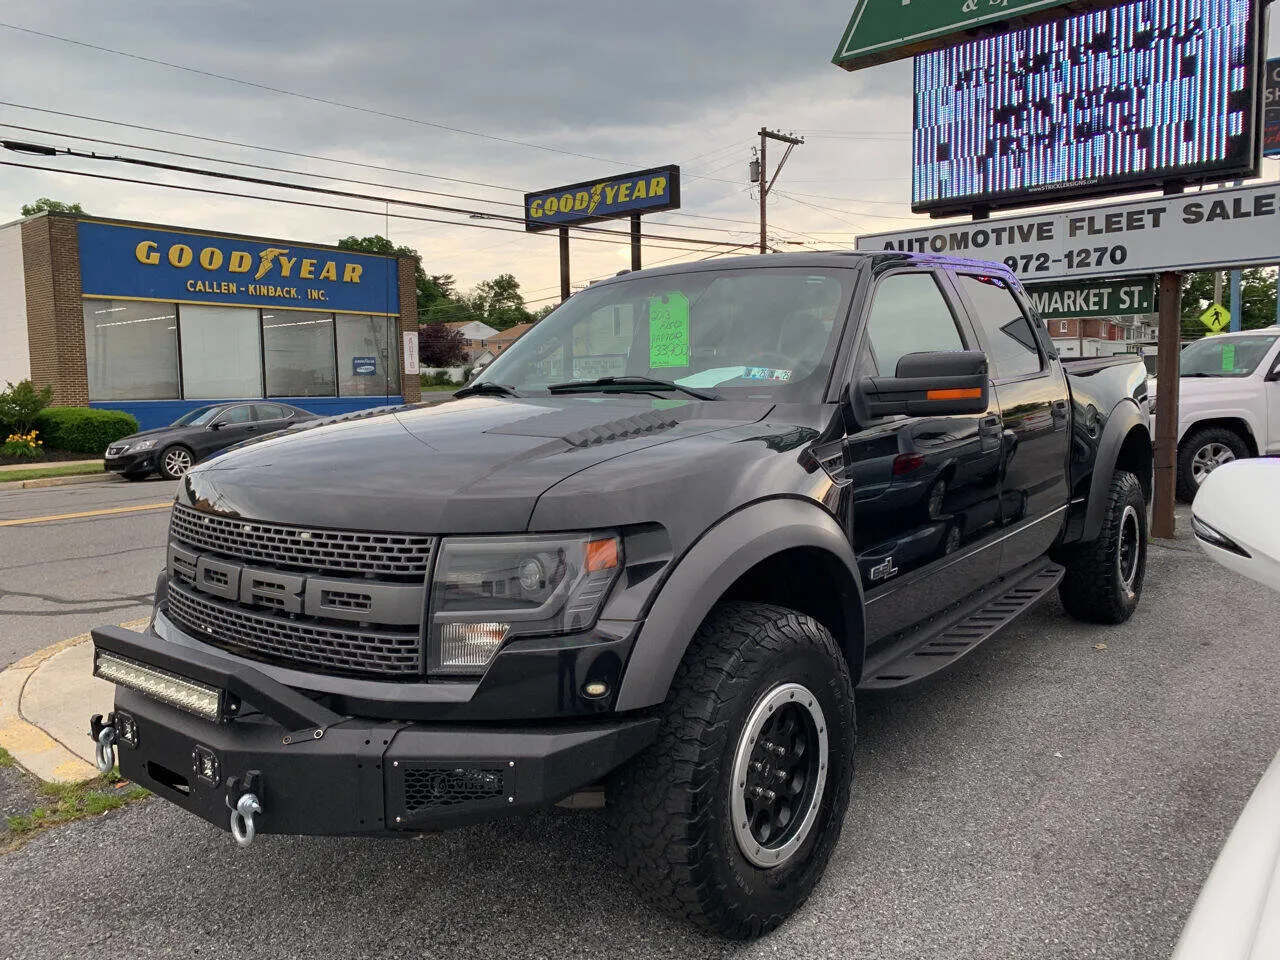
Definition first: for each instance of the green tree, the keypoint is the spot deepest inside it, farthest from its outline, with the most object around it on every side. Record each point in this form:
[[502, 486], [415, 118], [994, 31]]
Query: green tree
[[45, 205], [500, 302], [1257, 298], [431, 288]]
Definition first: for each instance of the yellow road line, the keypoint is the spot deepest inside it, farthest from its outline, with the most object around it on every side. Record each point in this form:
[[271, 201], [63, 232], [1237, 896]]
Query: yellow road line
[[108, 511]]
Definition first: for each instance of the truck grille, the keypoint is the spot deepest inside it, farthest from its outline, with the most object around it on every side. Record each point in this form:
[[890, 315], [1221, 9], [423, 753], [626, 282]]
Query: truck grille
[[304, 548], [331, 601], [348, 649]]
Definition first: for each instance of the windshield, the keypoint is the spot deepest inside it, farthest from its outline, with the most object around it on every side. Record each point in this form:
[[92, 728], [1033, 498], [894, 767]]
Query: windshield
[[197, 417], [1225, 357], [743, 334]]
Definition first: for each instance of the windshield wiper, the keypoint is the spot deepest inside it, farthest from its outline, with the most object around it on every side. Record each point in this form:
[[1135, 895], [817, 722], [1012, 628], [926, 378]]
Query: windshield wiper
[[1199, 374], [643, 383], [485, 386]]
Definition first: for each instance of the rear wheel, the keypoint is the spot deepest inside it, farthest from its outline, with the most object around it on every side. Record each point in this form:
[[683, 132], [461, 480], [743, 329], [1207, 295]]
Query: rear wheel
[[730, 817], [1103, 580], [1202, 453]]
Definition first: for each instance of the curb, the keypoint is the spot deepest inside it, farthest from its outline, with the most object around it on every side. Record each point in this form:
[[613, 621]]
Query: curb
[[34, 749], [59, 481]]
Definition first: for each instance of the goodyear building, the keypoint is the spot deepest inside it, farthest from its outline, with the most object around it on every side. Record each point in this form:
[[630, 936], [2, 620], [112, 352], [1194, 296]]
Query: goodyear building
[[157, 320]]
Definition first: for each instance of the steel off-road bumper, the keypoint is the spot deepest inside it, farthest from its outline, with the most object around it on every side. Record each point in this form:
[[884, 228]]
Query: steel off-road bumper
[[314, 772]]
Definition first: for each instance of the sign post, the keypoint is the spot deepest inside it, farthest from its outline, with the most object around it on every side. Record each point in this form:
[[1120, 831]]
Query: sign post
[[1166, 439], [629, 195]]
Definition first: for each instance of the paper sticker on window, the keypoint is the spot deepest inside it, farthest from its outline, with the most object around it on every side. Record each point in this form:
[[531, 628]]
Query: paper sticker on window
[[593, 368], [765, 373], [669, 330], [1228, 357]]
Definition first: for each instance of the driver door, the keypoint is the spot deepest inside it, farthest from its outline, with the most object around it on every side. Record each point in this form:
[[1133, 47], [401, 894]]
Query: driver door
[[233, 425], [925, 494]]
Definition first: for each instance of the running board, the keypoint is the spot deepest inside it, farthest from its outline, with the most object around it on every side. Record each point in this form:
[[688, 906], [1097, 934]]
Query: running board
[[937, 646]]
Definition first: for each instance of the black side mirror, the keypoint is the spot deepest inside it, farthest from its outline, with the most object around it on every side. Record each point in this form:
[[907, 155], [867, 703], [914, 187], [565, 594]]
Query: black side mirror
[[929, 385], [216, 425]]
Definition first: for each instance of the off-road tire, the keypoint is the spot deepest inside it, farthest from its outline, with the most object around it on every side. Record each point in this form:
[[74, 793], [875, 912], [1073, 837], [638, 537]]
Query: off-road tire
[[1187, 485], [1093, 588], [162, 461], [669, 808]]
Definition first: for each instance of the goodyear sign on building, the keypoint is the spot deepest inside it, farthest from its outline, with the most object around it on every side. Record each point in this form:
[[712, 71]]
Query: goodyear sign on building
[[645, 191], [125, 262]]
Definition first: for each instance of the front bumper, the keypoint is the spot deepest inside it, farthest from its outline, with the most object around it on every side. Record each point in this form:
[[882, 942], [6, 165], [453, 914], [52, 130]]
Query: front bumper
[[316, 772], [144, 462]]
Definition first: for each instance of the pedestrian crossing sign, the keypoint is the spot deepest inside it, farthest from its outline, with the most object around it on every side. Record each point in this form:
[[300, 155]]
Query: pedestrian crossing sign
[[1216, 318]]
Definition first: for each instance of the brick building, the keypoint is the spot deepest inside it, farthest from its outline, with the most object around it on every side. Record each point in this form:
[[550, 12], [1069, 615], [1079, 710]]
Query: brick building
[[157, 320]]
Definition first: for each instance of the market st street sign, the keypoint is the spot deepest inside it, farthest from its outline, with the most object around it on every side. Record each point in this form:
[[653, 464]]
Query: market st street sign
[[645, 191], [1097, 298], [884, 30], [1213, 229]]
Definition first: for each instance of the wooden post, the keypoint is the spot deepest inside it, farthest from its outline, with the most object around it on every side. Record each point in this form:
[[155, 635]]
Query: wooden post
[[564, 264], [1166, 439]]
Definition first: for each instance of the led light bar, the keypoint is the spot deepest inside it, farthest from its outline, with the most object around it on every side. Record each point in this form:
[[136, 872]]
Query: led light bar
[[198, 698]]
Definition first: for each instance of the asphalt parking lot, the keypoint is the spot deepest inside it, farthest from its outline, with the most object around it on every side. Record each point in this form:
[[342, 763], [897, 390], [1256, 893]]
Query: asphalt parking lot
[[1061, 793]]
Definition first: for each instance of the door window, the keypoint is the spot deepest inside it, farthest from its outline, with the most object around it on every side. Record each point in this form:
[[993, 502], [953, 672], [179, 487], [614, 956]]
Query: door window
[[909, 314], [1011, 343], [240, 414], [271, 411]]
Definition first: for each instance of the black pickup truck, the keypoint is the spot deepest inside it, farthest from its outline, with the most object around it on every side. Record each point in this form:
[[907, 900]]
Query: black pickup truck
[[646, 558]]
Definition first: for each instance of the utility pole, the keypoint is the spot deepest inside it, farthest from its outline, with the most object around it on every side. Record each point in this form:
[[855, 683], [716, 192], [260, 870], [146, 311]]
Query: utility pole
[[760, 174]]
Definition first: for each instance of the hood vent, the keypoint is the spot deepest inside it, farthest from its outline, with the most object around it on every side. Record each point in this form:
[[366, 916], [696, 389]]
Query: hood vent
[[639, 425]]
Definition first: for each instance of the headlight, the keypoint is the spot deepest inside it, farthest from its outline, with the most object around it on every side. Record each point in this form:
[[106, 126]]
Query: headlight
[[140, 445], [487, 589]]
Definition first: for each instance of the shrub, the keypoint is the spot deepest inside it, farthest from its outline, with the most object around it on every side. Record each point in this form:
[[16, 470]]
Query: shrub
[[83, 429], [23, 445], [20, 404]]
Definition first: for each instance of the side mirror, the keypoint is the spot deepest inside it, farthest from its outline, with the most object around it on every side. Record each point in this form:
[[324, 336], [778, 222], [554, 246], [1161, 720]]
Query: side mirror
[[1230, 527], [217, 425], [939, 384]]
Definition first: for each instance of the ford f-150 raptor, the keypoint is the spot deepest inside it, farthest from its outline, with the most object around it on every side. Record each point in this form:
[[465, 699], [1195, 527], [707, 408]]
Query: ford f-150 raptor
[[653, 549]]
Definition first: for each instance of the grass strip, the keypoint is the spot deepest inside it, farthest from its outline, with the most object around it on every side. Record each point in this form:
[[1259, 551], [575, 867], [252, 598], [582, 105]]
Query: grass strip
[[39, 473], [67, 802]]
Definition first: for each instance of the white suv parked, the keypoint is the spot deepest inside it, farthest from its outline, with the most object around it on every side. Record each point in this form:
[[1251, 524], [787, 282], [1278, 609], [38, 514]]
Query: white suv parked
[[1229, 403]]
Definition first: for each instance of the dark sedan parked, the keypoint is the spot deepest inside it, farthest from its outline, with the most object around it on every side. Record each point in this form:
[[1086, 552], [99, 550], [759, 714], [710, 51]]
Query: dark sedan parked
[[171, 451]]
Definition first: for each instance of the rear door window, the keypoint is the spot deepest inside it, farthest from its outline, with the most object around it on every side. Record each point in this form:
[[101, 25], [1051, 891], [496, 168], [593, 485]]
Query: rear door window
[[1011, 343]]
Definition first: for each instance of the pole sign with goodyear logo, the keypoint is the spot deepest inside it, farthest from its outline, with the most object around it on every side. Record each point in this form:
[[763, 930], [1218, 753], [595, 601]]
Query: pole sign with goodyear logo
[[645, 191], [124, 262]]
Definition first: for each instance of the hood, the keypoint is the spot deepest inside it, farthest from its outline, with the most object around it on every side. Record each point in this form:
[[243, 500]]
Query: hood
[[153, 432], [1225, 395], [465, 466]]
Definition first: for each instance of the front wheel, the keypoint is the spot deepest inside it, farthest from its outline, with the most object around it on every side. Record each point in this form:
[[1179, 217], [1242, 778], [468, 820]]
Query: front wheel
[[175, 461], [730, 817], [1202, 453], [1103, 580]]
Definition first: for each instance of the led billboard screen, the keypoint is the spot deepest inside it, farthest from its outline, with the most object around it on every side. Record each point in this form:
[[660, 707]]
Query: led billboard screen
[[1118, 99]]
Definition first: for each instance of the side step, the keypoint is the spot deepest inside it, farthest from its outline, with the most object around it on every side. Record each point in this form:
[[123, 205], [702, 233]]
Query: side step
[[938, 645]]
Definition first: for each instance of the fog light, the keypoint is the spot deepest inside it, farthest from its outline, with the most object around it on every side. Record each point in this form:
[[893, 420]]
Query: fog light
[[470, 644], [203, 701], [126, 729], [204, 762], [595, 688]]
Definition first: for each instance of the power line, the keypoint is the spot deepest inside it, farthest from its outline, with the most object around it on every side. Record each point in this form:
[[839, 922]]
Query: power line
[[326, 206], [345, 194], [314, 99]]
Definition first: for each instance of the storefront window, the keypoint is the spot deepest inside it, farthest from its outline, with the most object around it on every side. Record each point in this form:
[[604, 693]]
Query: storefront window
[[298, 349], [131, 350], [367, 356], [221, 355]]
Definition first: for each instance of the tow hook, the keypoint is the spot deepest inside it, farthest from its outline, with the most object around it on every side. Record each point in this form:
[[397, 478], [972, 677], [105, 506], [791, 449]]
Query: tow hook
[[245, 807], [104, 736]]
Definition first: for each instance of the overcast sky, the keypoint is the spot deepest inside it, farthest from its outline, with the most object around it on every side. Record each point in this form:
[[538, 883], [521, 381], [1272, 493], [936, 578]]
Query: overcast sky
[[629, 84]]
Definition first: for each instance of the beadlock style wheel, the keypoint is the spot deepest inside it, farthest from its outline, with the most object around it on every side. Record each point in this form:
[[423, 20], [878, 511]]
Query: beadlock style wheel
[[779, 772]]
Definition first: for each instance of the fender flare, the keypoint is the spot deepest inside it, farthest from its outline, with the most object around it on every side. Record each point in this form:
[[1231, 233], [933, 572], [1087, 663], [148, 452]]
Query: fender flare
[[1247, 417], [1124, 417], [722, 555]]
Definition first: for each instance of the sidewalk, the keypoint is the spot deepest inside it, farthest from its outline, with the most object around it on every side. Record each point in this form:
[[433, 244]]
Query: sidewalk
[[46, 700]]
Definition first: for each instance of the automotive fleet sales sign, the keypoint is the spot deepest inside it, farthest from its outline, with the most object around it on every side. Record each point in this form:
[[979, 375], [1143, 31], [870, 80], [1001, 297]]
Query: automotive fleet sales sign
[[645, 191], [1213, 229], [126, 262]]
